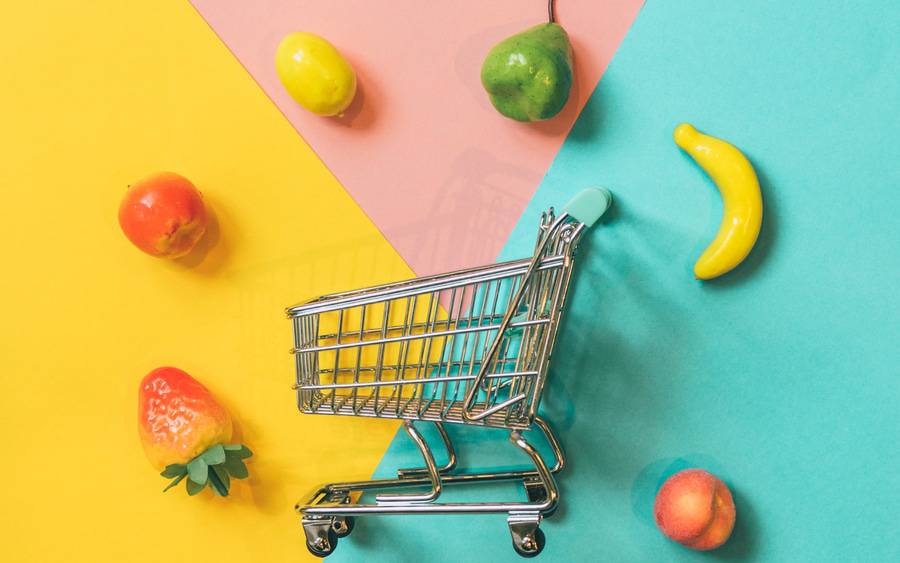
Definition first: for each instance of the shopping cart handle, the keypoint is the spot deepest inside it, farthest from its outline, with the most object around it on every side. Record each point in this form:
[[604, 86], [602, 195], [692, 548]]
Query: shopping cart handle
[[589, 204], [586, 207]]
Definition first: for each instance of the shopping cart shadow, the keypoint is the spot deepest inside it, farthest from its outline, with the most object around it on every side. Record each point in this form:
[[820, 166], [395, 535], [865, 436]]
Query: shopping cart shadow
[[212, 251], [467, 223], [765, 243], [604, 371]]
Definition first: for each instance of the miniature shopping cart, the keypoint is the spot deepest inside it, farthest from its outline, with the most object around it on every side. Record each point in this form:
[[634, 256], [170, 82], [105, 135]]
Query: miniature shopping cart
[[469, 347]]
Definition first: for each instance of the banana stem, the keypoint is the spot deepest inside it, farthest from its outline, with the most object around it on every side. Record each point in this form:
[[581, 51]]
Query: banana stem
[[550, 11]]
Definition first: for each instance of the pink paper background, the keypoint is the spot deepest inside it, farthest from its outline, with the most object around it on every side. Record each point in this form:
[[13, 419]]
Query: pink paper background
[[421, 150]]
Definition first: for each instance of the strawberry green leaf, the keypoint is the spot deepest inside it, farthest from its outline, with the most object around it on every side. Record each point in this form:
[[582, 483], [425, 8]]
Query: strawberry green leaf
[[222, 474], [176, 481], [214, 455], [174, 470], [238, 450], [217, 484], [236, 468], [193, 488], [198, 470]]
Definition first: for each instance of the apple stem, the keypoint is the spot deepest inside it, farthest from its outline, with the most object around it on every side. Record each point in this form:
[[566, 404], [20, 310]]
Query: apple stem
[[550, 14]]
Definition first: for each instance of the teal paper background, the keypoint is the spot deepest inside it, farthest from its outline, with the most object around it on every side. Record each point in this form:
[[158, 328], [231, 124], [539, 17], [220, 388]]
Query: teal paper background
[[783, 377]]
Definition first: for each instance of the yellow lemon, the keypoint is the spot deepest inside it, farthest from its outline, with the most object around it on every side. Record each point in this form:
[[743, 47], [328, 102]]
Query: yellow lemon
[[315, 74]]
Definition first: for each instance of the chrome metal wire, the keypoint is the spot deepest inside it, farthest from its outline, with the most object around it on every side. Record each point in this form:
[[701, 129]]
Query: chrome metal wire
[[466, 347]]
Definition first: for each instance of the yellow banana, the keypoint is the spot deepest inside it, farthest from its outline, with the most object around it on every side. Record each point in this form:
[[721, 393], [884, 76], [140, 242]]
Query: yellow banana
[[743, 208]]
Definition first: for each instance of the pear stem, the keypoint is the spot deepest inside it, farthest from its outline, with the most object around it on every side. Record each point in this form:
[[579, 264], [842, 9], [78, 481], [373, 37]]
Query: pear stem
[[550, 12]]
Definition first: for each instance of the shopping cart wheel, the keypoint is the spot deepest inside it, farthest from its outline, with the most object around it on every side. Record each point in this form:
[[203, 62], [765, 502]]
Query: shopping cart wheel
[[323, 545], [343, 525], [531, 545], [527, 538]]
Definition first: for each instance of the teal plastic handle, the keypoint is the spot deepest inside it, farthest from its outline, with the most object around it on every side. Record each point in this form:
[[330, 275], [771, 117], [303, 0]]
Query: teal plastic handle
[[589, 204]]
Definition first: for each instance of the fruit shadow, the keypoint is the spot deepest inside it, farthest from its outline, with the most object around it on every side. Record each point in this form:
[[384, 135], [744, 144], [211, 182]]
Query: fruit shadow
[[240, 490], [359, 114], [262, 487], [258, 488], [565, 119], [211, 251], [756, 260], [742, 545], [587, 122]]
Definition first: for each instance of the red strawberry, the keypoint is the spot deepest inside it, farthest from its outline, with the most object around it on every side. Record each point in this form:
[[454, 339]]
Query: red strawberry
[[185, 432]]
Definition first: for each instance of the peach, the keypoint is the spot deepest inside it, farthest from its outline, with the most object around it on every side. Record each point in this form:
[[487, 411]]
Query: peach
[[695, 509]]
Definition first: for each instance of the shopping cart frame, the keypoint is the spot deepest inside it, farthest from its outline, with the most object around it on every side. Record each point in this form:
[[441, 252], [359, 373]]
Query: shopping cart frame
[[494, 394]]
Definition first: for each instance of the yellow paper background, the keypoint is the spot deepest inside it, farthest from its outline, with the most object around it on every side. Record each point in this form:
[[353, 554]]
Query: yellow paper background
[[97, 95]]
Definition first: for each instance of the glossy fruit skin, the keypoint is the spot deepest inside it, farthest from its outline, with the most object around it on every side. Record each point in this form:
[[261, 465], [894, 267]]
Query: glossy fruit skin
[[529, 75], [742, 211], [695, 509], [315, 74], [163, 215], [178, 418]]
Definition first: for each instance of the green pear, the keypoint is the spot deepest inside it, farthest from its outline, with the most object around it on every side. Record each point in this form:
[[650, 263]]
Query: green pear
[[528, 75]]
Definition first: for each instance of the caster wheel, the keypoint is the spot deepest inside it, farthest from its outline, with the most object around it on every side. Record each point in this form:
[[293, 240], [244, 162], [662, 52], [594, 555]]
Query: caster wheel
[[529, 547], [343, 526], [324, 549]]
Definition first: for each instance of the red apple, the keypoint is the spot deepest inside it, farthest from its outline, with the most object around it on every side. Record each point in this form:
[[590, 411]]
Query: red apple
[[163, 215], [695, 508]]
